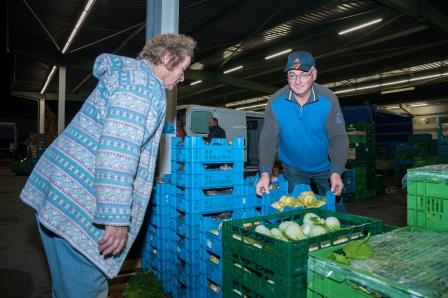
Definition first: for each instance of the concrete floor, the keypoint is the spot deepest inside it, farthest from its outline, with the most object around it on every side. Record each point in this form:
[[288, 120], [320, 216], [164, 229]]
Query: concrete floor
[[23, 267]]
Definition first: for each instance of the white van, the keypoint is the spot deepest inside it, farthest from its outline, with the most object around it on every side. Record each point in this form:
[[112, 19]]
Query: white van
[[236, 123]]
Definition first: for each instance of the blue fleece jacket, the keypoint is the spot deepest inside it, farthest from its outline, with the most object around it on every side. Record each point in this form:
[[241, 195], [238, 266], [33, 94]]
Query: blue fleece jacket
[[311, 138]]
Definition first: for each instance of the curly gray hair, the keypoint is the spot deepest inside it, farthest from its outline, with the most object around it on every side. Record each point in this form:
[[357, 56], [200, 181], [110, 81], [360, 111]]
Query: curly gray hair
[[177, 46]]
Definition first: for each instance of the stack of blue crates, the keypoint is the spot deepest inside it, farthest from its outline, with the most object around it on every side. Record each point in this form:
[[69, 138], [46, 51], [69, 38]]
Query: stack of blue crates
[[209, 187], [158, 250], [348, 178]]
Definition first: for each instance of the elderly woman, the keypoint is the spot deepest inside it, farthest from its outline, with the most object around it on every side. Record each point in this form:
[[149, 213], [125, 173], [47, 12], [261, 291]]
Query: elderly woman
[[91, 187]]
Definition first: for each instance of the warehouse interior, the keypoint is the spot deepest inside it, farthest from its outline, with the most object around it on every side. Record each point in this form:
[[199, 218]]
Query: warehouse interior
[[386, 60]]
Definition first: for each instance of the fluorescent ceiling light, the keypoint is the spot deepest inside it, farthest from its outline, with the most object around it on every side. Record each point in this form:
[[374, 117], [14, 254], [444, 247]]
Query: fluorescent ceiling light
[[50, 75], [414, 105], [426, 77], [398, 90], [392, 83], [360, 26], [233, 69], [253, 106], [195, 83], [392, 108], [78, 25], [277, 54]]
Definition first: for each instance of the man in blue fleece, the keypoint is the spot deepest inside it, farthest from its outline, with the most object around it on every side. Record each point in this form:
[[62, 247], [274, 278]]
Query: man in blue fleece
[[304, 123]]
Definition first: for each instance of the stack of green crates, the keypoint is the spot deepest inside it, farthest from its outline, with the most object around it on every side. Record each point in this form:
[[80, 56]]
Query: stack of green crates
[[406, 262], [256, 265], [361, 137], [427, 201]]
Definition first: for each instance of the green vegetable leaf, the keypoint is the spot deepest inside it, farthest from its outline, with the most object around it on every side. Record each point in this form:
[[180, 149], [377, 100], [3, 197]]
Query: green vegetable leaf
[[340, 259], [358, 249]]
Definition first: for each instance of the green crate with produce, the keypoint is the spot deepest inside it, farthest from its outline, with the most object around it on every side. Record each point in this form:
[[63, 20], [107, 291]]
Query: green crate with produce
[[266, 256], [405, 262]]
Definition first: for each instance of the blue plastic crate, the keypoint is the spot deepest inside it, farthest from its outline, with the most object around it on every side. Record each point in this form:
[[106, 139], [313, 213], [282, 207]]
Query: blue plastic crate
[[192, 257], [161, 210], [206, 221], [357, 113], [211, 204], [157, 260], [182, 291], [198, 228], [163, 244], [190, 269], [195, 149], [247, 212], [212, 294], [274, 196], [165, 276], [189, 280], [183, 243], [154, 232], [213, 242], [214, 270], [200, 168], [213, 180], [207, 193], [161, 194], [161, 217]]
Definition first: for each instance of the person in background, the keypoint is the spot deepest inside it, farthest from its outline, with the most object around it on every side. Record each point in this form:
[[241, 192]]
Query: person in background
[[304, 124], [91, 187], [215, 131], [180, 130]]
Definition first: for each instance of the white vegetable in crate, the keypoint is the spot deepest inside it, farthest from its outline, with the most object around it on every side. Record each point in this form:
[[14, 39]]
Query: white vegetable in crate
[[263, 230], [294, 232], [278, 234], [317, 231], [284, 225], [312, 219], [332, 223], [306, 228]]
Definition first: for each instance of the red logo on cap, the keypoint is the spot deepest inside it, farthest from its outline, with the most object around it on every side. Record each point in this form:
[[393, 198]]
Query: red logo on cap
[[297, 60]]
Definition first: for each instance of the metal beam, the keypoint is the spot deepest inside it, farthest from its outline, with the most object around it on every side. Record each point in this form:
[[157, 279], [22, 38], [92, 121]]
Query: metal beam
[[108, 37], [48, 96], [336, 52], [339, 67], [229, 80], [422, 11], [42, 25]]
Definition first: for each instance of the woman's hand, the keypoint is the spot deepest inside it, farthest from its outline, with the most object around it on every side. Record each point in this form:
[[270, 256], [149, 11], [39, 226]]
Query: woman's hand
[[113, 241]]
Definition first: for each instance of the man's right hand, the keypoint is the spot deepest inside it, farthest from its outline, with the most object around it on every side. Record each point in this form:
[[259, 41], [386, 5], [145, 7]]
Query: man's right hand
[[263, 184]]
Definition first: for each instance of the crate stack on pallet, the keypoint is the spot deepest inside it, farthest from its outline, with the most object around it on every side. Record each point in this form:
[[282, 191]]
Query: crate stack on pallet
[[359, 180], [158, 250], [209, 185]]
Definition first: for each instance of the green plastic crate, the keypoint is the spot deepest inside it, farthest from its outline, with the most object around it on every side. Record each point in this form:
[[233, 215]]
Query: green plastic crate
[[268, 267], [401, 266], [427, 200]]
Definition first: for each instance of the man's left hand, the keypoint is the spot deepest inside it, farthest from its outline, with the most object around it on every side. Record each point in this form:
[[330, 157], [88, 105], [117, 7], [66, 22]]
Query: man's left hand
[[336, 184]]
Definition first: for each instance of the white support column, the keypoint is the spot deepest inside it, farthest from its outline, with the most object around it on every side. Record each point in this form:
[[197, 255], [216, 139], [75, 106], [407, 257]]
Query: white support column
[[61, 99], [41, 111], [162, 16]]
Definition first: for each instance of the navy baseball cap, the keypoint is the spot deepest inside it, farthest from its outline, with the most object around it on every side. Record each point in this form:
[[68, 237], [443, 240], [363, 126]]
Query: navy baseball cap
[[301, 60]]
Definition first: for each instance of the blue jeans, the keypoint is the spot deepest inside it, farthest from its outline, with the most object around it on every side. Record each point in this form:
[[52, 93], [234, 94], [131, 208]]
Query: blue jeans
[[72, 275], [295, 177]]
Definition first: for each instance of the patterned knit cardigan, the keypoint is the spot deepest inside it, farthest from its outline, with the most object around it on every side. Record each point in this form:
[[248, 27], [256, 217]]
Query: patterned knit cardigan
[[100, 170]]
